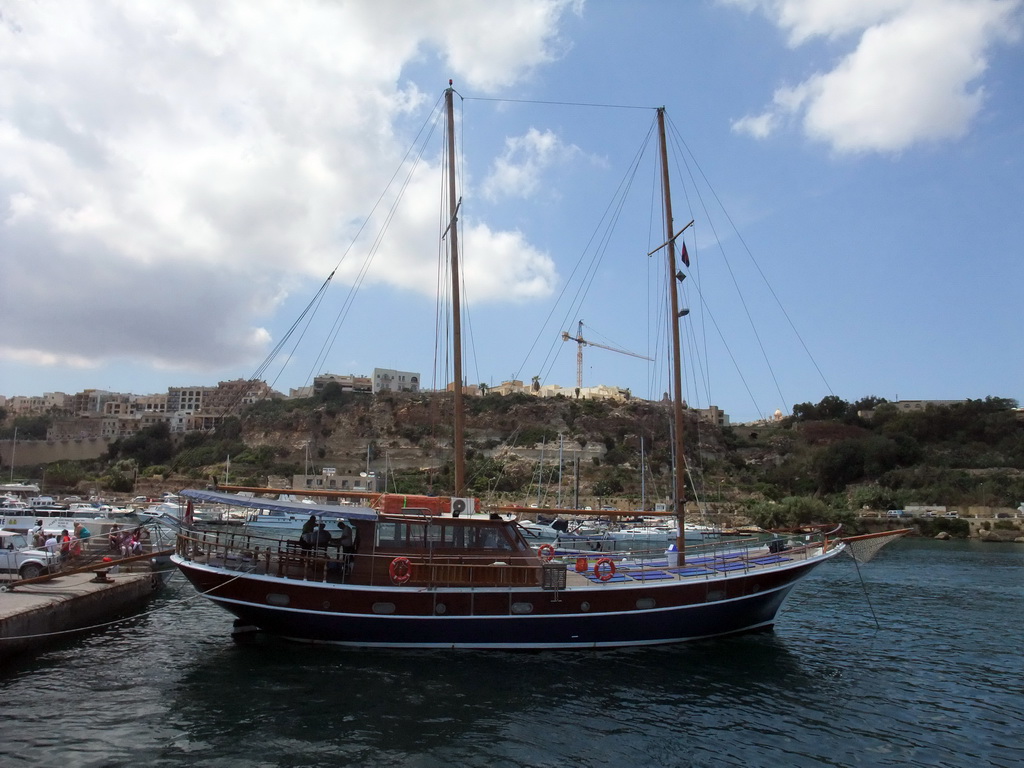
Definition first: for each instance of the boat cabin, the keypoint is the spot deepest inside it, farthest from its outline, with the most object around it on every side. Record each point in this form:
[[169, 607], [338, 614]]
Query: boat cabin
[[454, 551]]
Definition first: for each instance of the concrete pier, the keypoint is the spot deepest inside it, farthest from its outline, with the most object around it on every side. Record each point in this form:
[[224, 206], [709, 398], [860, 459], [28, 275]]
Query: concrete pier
[[34, 614]]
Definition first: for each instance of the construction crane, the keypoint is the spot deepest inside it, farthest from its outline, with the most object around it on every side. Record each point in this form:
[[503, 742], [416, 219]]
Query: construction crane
[[581, 342]]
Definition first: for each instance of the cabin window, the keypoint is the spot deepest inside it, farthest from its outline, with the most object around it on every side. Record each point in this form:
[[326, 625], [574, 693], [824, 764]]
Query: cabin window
[[522, 608], [384, 608], [404, 535], [645, 603], [487, 538], [435, 535], [466, 537]]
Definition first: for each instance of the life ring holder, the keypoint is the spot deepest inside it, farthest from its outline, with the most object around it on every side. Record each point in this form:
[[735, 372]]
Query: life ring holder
[[400, 570], [604, 575], [546, 552]]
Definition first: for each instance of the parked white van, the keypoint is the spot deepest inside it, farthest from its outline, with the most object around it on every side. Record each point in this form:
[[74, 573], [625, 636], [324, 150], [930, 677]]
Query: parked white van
[[18, 558]]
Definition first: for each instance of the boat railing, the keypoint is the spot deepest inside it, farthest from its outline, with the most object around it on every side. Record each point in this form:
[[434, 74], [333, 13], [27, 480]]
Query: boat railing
[[288, 559], [243, 551]]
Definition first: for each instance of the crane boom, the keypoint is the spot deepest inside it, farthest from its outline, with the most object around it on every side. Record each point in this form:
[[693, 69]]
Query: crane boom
[[581, 342]]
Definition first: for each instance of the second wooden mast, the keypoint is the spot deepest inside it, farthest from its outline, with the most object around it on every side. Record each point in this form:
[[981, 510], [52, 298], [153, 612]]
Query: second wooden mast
[[458, 440], [674, 277]]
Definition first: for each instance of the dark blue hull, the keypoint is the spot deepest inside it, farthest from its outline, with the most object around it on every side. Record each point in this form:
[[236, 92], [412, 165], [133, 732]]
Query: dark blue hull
[[602, 616], [671, 625]]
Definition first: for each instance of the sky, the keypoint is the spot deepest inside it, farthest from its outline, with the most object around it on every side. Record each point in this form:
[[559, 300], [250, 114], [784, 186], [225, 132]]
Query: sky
[[179, 180]]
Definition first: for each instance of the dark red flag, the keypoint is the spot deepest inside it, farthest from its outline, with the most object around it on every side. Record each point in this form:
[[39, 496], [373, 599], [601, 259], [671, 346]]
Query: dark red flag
[[685, 256]]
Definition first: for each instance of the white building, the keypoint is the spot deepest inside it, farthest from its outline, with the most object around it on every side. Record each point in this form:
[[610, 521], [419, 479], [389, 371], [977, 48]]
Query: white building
[[388, 380]]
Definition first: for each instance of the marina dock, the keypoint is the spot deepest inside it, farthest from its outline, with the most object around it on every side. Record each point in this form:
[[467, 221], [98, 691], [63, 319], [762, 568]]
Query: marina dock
[[47, 611]]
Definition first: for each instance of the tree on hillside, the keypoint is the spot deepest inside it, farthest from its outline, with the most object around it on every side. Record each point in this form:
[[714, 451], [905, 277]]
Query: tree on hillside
[[28, 428], [148, 446], [869, 403], [838, 465], [987, 422], [830, 407], [63, 474], [789, 513]]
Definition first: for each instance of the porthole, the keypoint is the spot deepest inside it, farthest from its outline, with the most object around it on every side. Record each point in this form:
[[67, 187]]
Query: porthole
[[325, 604], [384, 608], [521, 608], [584, 606], [645, 603], [440, 609], [276, 598]]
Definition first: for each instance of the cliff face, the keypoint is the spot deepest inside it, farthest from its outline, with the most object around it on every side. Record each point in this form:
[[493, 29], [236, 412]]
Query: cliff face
[[413, 432]]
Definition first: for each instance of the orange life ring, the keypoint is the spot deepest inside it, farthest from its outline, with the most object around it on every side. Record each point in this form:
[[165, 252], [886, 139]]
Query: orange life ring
[[604, 575], [400, 570], [545, 551]]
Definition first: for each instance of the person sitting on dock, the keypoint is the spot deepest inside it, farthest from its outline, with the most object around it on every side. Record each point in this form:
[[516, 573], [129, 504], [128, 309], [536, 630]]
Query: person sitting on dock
[[114, 537], [130, 544]]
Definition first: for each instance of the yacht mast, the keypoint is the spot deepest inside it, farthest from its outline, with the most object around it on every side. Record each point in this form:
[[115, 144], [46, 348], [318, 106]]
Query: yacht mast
[[458, 441], [674, 275]]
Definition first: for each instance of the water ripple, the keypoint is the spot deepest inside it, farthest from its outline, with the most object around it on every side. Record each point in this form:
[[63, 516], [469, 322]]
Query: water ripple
[[937, 684]]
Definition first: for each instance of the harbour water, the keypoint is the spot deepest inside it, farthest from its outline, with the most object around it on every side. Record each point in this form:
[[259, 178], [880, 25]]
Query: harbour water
[[941, 683]]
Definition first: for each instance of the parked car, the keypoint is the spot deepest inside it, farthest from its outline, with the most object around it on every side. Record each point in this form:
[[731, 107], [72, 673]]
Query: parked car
[[23, 561], [954, 513]]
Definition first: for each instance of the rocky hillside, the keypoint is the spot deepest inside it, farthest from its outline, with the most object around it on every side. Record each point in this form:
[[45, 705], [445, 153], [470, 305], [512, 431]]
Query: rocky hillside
[[823, 460], [506, 439]]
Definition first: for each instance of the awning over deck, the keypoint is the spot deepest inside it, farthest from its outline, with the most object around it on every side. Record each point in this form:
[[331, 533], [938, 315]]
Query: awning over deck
[[326, 511]]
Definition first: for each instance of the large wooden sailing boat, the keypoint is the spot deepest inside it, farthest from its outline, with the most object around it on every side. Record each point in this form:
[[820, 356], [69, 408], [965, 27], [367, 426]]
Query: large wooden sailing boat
[[422, 572]]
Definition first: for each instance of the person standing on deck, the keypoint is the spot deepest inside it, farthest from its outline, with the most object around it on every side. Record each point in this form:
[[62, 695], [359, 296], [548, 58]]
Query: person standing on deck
[[308, 537], [322, 537], [347, 542]]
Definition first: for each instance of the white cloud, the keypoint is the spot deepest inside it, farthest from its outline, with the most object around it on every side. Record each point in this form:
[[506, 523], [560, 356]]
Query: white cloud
[[173, 170], [759, 126], [517, 173], [912, 77], [503, 265]]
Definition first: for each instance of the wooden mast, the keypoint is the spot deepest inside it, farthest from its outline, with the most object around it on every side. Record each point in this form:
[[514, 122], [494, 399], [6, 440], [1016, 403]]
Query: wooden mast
[[458, 441], [679, 495]]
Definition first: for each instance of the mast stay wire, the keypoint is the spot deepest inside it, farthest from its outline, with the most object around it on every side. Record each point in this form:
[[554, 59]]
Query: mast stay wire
[[429, 126], [314, 304], [685, 152], [584, 272], [684, 155]]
